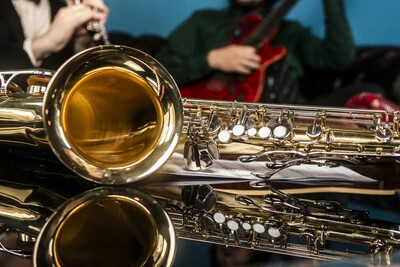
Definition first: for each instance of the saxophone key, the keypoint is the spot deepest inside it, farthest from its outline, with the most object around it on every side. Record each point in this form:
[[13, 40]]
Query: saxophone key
[[233, 225], [264, 132], [252, 132], [224, 136]]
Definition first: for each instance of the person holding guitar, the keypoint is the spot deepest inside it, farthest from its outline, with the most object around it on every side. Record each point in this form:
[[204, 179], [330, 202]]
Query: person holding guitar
[[227, 54]]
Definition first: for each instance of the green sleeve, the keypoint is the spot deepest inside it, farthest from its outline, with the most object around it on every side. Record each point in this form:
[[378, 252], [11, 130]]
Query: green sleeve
[[336, 51], [184, 56]]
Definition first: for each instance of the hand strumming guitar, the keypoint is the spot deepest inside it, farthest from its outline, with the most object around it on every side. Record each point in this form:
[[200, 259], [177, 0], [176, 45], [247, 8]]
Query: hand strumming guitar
[[234, 58]]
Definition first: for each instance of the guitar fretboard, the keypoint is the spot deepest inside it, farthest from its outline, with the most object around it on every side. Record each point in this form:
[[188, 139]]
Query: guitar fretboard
[[268, 24]]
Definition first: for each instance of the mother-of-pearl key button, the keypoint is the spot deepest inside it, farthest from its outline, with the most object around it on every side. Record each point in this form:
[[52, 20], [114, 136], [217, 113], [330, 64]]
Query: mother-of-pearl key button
[[246, 226], [259, 228], [238, 130], [280, 131], [264, 132], [233, 225], [224, 136], [219, 217], [252, 132], [274, 232]]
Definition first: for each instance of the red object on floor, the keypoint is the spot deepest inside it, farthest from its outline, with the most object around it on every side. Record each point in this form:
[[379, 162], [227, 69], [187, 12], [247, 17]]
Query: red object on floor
[[371, 101]]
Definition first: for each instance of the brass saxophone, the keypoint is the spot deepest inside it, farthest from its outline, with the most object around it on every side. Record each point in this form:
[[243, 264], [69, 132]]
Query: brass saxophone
[[113, 115]]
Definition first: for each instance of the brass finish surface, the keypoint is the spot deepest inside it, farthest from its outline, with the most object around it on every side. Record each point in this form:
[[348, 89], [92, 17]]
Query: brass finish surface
[[110, 231], [122, 137]]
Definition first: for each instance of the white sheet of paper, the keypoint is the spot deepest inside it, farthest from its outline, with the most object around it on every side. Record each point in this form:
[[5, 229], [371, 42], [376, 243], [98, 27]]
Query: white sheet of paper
[[232, 170]]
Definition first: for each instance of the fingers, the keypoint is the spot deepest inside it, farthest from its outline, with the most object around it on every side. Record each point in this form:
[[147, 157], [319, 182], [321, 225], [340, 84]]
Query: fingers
[[249, 60], [80, 14], [235, 58], [250, 65], [96, 4], [87, 10], [70, 2], [249, 53], [99, 8]]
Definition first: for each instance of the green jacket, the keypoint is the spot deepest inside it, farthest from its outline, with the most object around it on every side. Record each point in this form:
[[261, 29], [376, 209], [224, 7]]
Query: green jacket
[[189, 44]]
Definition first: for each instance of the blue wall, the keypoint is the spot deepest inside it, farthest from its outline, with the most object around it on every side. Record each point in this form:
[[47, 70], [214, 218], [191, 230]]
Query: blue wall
[[153, 16], [372, 21]]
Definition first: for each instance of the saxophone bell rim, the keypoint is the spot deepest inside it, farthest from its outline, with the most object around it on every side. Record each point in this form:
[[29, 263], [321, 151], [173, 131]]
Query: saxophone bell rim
[[165, 240], [162, 85]]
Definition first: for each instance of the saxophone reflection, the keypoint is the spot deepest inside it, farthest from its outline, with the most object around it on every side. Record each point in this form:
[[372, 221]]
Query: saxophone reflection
[[94, 135]]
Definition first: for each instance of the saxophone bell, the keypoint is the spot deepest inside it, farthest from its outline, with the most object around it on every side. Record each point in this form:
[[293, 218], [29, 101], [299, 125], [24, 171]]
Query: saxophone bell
[[113, 226], [111, 114]]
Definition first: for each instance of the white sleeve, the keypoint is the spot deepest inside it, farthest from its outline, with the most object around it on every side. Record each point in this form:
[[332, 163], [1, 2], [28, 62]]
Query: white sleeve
[[28, 49]]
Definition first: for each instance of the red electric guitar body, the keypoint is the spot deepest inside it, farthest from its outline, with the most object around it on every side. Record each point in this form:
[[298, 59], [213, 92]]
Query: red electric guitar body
[[233, 86], [252, 30]]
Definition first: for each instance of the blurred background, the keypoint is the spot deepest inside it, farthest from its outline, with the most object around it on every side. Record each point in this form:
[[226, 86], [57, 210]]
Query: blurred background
[[372, 22]]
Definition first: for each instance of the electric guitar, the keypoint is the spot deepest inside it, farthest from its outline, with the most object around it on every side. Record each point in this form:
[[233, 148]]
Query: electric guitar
[[254, 31]]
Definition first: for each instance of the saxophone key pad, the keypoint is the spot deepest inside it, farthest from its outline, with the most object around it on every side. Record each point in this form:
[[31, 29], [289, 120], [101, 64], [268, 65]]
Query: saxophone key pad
[[259, 228], [274, 232], [233, 225], [252, 132], [238, 130], [264, 132], [246, 226], [280, 132], [274, 229], [224, 136], [281, 128], [219, 217]]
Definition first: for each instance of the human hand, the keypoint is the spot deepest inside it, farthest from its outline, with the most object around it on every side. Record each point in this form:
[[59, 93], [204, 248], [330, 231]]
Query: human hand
[[97, 6], [234, 58], [67, 20], [84, 39]]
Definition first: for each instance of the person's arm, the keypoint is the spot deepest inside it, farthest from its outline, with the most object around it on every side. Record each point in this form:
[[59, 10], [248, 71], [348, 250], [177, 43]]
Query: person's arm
[[66, 22], [184, 56], [187, 59], [337, 50]]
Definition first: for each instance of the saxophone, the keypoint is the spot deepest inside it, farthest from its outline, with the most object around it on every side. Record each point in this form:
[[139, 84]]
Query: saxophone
[[113, 116]]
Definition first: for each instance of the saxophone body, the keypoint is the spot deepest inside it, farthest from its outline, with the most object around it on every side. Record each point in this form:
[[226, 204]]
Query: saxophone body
[[113, 115], [272, 221], [284, 135]]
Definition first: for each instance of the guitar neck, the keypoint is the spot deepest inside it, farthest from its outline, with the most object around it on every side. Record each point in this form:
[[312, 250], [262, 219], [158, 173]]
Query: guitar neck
[[268, 24]]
